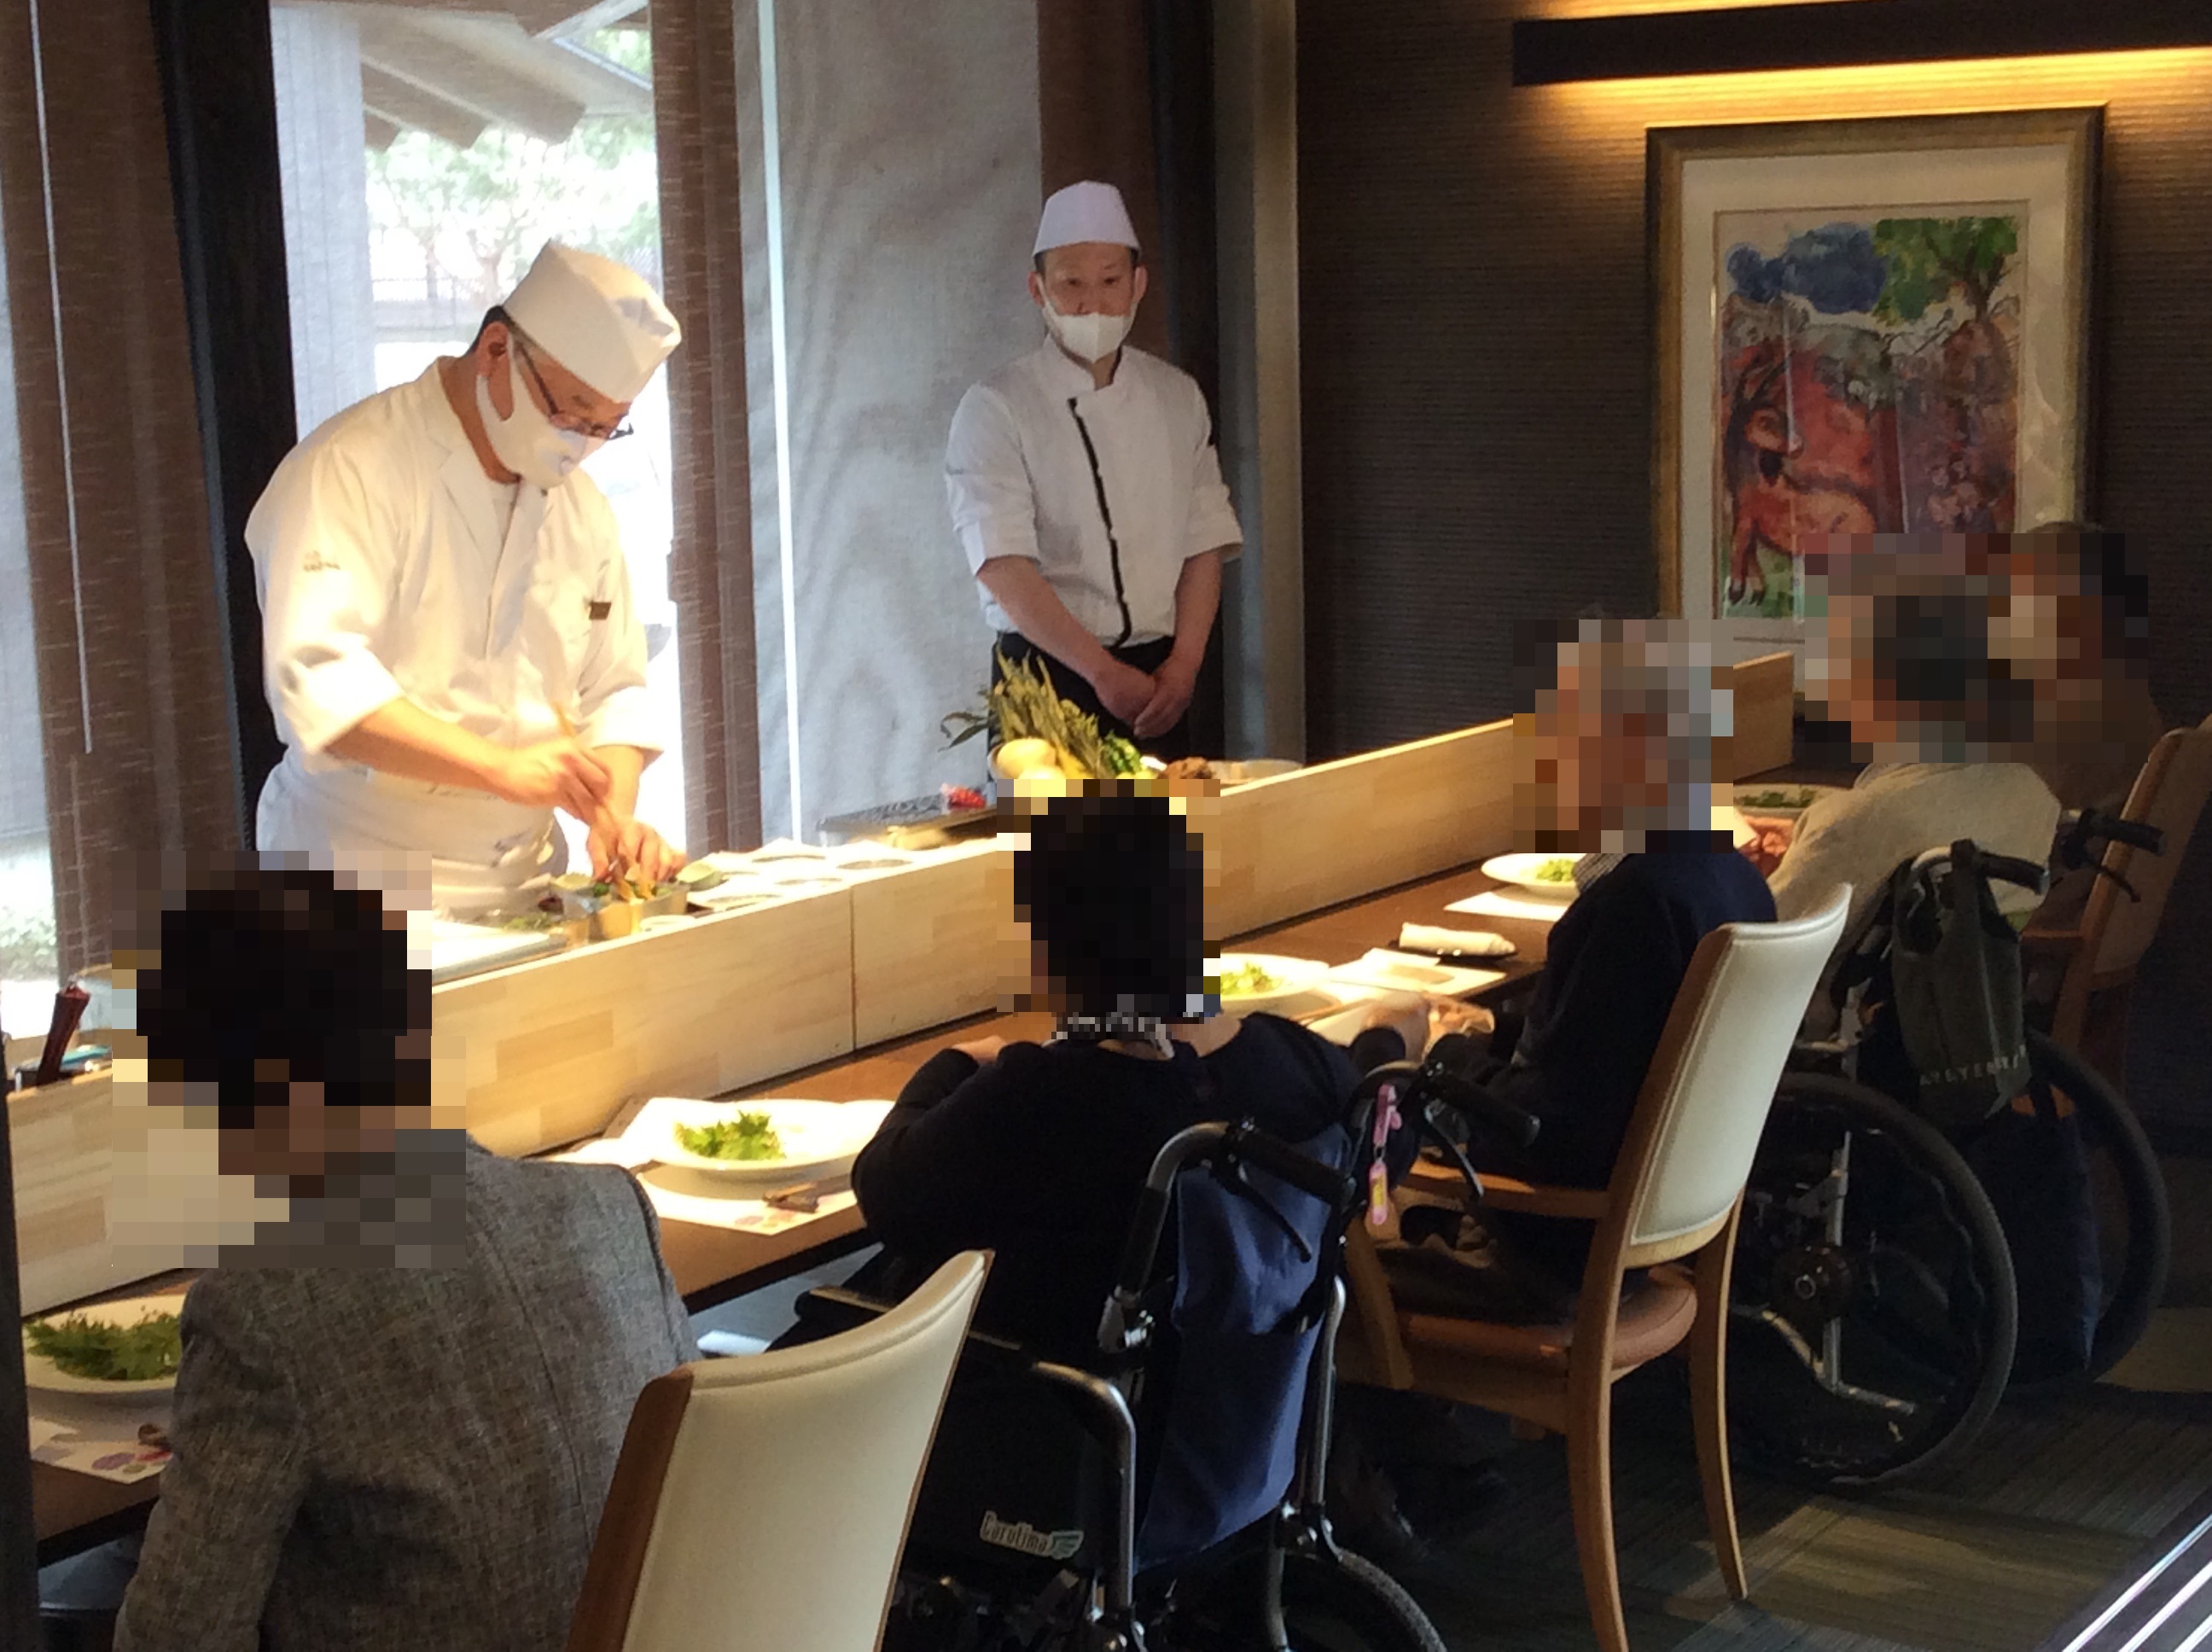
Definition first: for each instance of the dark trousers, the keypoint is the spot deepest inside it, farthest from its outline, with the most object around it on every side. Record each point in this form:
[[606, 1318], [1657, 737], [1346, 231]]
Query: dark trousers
[[1073, 687]]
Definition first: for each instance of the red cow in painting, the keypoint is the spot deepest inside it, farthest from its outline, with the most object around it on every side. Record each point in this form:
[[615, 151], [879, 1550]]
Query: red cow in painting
[[1801, 455]]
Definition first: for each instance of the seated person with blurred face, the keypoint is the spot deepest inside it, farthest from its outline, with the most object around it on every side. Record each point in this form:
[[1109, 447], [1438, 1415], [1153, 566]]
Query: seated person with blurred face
[[1907, 663], [1038, 1151], [1616, 765], [398, 1412], [2077, 629]]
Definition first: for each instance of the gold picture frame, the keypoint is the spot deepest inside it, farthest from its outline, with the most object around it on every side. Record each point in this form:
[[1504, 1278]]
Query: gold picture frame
[[1875, 325]]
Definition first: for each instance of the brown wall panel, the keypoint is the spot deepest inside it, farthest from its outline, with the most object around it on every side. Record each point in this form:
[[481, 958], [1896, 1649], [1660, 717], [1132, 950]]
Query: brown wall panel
[[1476, 342]]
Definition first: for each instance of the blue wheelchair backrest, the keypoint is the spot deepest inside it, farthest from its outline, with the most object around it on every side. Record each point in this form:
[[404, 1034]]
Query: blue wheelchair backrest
[[1244, 1289]]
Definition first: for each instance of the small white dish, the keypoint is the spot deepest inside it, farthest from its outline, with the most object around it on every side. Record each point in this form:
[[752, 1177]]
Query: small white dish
[[818, 1138], [1290, 979], [1522, 871]]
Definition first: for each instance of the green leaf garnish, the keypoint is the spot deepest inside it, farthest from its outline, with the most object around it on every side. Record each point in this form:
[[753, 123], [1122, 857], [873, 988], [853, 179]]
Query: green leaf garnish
[[749, 1136], [109, 1353]]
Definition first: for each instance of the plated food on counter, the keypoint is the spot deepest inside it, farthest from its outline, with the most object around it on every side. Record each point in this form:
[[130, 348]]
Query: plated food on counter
[[1260, 980], [1551, 875], [779, 1140], [130, 1347]]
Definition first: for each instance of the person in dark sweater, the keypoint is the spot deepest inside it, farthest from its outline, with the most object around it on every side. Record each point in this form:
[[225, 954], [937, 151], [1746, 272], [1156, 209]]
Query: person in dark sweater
[[1038, 1151], [1618, 765]]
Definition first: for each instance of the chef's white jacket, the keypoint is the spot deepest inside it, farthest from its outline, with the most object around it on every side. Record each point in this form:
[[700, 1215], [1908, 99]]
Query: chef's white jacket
[[388, 565], [1110, 491]]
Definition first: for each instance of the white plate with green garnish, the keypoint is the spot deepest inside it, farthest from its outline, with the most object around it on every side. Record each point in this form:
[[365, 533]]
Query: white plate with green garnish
[[774, 1141], [126, 1349], [1540, 874], [1261, 980]]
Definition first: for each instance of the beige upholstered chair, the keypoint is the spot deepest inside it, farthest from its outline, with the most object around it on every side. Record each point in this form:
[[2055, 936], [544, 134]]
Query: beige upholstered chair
[[1675, 1198], [2100, 953], [762, 1501]]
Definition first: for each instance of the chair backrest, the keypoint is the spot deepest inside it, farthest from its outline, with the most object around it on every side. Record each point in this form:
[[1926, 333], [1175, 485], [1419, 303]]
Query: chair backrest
[[763, 1501], [2170, 793], [1712, 1081]]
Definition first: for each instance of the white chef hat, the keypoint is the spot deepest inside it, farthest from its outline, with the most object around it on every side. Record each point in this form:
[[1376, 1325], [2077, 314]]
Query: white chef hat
[[1085, 212], [599, 319]]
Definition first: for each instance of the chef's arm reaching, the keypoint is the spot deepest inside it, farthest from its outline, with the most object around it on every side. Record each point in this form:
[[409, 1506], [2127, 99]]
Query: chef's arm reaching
[[617, 834], [399, 738], [1018, 586]]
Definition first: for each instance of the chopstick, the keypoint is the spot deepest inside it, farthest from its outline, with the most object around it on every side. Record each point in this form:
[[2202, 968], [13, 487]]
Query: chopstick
[[603, 818]]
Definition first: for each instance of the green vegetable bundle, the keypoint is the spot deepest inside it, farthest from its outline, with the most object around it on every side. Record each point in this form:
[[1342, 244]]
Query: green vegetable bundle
[[111, 1353], [1028, 708]]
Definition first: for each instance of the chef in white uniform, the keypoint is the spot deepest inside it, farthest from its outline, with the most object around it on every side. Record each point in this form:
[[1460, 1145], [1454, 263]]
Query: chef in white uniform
[[450, 644], [1086, 492]]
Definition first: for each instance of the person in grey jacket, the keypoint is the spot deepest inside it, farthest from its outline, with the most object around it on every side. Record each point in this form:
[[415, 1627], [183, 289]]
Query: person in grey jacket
[[408, 1443]]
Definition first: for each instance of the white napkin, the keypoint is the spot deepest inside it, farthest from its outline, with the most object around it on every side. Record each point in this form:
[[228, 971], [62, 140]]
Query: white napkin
[[1502, 903], [1459, 943], [1403, 972], [607, 1150]]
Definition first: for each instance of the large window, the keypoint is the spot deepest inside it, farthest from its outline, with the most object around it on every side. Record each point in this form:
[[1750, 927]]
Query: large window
[[28, 965], [428, 155]]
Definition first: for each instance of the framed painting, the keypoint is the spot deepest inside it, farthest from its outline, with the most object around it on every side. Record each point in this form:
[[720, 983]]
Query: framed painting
[[1862, 327]]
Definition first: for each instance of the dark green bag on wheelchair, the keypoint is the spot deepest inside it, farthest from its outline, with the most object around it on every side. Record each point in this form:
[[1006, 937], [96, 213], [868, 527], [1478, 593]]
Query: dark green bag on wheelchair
[[1956, 995]]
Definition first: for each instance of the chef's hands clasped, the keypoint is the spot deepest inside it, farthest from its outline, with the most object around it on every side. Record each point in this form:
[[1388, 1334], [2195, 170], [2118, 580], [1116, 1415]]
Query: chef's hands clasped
[[562, 773], [1150, 703]]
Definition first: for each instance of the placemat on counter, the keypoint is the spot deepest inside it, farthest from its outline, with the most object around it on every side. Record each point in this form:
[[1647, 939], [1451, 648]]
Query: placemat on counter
[[113, 1439]]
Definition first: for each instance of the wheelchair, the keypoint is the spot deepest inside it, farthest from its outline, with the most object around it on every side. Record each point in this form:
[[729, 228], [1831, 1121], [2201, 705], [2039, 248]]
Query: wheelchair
[[1167, 1490], [1878, 1306]]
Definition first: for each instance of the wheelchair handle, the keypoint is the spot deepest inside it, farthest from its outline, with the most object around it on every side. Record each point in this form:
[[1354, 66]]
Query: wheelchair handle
[[2094, 826], [1444, 1075], [1244, 1143], [2010, 870], [1286, 1164]]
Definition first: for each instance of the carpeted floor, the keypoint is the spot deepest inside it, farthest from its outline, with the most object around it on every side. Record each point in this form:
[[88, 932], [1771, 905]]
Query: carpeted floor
[[2053, 1503]]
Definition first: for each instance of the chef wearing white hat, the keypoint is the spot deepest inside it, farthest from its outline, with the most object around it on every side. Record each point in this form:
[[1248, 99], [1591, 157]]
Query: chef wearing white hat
[[1086, 492], [448, 638]]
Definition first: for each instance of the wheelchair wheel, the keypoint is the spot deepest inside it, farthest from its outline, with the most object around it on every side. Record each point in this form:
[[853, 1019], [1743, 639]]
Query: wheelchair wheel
[[1350, 1605], [1872, 1313], [2135, 1228]]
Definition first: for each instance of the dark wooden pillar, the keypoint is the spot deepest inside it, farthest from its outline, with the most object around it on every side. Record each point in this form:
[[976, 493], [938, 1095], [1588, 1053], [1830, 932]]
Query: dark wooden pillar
[[218, 91], [1179, 40]]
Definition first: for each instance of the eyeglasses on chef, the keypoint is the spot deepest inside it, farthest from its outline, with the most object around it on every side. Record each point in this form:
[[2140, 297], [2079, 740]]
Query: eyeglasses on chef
[[561, 419]]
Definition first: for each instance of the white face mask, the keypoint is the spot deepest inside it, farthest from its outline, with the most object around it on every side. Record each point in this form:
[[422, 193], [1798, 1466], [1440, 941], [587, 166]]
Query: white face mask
[[1089, 338], [527, 442]]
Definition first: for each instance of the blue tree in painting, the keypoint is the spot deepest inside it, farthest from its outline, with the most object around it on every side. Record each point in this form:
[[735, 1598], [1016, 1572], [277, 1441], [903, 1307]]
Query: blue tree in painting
[[1835, 269]]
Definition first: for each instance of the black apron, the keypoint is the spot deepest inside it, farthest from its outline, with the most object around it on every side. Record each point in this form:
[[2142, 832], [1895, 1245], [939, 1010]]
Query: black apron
[[1074, 687]]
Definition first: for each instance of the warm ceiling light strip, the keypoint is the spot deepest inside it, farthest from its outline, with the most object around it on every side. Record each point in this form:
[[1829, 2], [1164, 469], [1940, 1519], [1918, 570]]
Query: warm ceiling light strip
[[1738, 39]]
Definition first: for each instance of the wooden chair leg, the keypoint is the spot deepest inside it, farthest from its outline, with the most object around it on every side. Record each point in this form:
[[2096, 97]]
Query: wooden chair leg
[[1590, 1485], [1709, 1408]]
